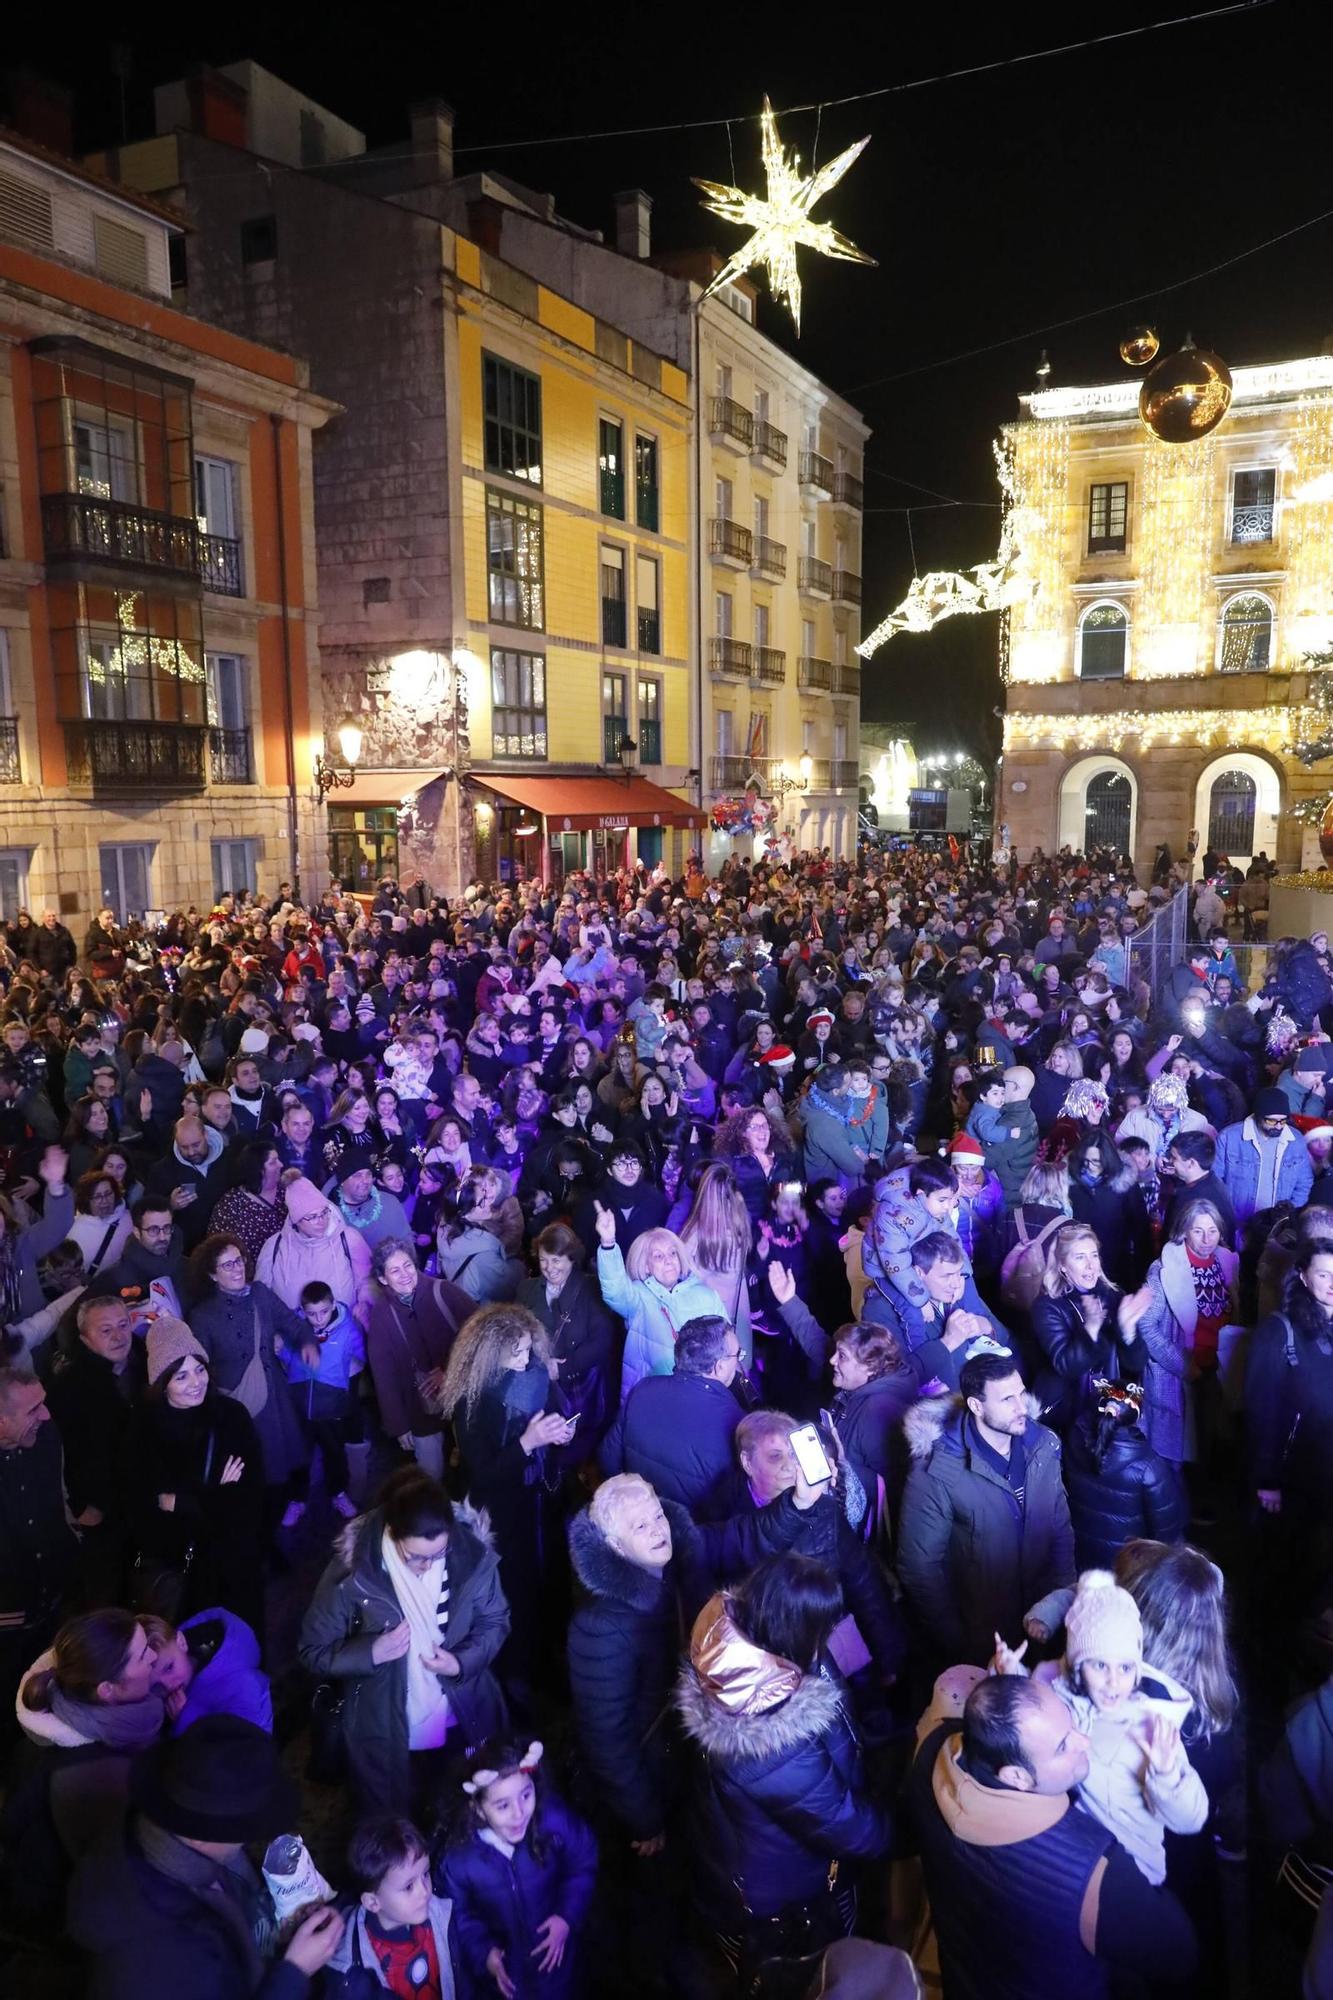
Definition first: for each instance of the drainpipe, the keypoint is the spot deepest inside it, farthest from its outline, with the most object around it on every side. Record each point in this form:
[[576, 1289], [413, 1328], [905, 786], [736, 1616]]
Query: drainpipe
[[698, 569], [289, 726]]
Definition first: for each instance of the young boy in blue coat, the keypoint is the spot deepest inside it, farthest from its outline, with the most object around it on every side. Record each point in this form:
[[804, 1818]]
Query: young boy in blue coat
[[396, 1939], [320, 1375]]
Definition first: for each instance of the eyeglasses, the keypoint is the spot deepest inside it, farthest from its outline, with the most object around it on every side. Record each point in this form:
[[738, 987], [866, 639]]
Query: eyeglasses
[[230, 1264]]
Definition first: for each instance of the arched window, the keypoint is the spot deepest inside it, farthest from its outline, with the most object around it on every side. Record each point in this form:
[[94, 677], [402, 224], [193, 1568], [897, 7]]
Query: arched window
[[1103, 633], [1107, 813], [1247, 634], [1231, 806]]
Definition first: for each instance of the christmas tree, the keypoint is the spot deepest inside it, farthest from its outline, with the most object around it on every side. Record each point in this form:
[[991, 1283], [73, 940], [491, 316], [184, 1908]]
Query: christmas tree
[[1316, 743]]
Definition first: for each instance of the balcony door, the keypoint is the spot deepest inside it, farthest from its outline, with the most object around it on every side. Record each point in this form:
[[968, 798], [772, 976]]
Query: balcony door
[[104, 460], [226, 691], [126, 879]]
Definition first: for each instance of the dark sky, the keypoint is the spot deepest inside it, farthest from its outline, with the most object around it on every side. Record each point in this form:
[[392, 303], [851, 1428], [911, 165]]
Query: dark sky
[[995, 205]]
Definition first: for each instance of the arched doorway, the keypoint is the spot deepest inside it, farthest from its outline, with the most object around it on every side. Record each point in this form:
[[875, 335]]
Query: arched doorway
[[1099, 801], [1236, 806]]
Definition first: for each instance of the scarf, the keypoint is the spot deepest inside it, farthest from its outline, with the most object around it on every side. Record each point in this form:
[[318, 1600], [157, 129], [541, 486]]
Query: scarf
[[419, 1598], [124, 1725], [231, 1889]]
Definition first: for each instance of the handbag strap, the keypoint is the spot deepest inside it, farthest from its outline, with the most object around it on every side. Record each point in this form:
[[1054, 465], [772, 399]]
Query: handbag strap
[[208, 1454], [102, 1248]]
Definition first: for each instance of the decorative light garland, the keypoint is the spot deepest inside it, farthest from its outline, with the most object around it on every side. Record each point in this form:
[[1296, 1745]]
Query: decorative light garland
[[780, 221], [1304, 878], [1267, 728], [1174, 530]]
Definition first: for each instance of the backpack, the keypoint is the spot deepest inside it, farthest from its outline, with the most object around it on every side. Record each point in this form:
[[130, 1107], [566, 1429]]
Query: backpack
[[1025, 1266]]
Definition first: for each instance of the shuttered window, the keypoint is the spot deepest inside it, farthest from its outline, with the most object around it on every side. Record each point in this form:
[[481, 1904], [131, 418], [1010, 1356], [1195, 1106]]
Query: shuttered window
[[25, 214], [122, 254]]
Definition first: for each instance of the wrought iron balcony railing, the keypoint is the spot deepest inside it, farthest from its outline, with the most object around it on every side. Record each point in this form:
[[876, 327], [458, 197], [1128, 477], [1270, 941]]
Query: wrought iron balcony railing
[[769, 442], [11, 769], [229, 756], [142, 757], [770, 557], [220, 558], [848, 490], [84, 527], [770, 664], [729, 419], [814, 577], [729, 656], [725, 773], [814, 676], [816, 471], [731, 542], [846, 586], [1253, 524]]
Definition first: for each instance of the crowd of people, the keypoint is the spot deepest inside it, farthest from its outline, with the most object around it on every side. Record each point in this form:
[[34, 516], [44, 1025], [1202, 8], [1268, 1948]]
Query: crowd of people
[[745, 1434]]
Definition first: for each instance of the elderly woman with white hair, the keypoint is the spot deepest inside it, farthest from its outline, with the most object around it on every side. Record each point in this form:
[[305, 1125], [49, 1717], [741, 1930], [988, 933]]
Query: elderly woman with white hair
[[655, 1290], [645, 1571]]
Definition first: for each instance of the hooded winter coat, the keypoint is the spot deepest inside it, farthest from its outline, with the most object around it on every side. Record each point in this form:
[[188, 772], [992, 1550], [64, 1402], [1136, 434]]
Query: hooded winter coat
[[780, 1792], [207, 1178], [340, 1256], [212, 1536], [585, 1338], [227, 1679], [1131, 1493], [354, 1602], [974, 1560], [624, 1643], [501, 1899], [653, 1314], [475, 1261]]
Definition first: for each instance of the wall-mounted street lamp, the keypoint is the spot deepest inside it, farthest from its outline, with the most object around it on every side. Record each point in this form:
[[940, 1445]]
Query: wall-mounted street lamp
[[327, 776], [628, 752]]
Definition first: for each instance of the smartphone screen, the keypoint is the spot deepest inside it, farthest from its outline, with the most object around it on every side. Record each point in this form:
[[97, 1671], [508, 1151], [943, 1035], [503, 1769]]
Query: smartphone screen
[[811, 1456]]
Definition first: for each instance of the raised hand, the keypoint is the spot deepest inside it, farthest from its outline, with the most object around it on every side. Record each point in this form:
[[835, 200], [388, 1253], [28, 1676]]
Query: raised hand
[[231, 1471], [781, 1282], [606, 1226], [1008, 1659], [1160, 1738]]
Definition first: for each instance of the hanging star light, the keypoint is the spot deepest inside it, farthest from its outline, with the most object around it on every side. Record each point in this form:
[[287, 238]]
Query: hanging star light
[[781, 220]]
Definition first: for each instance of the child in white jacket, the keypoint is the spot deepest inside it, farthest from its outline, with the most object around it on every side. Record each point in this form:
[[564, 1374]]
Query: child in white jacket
[[1140, 1781]]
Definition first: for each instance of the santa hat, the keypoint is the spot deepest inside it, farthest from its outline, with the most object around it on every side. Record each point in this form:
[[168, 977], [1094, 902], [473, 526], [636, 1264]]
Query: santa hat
[[966, 1150], [1103, 1622], [1316, 1131], [820, 1014], [779, 1056]]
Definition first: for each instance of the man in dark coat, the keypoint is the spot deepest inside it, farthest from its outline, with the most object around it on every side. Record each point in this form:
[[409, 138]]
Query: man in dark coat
[[676, 1430], [984, 1534], [53, 950], [171, 1903], [149, 1274], [38, 1547], [93, 1384], [191, 1178]]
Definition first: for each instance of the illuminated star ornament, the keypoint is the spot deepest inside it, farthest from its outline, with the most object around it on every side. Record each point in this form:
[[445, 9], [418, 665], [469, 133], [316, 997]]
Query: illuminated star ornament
[[781, 220]]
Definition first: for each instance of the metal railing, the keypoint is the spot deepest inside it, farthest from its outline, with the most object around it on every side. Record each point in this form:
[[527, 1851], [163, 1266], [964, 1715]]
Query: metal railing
[[731, 540], [82, 526], [814, 577], [770, 557], [220, 560], [730, 419], [729, 656], [135, 756], [1158, 946], [844, 771], [769, 442], [815, 676], [847, 680], [1253, 524], [650, 632], [229, 756], [726, 773], [11, 770], [613, 492], [650, 742], [613, 621], [848, 490], [816, 470], [770, 664], [846, 587]]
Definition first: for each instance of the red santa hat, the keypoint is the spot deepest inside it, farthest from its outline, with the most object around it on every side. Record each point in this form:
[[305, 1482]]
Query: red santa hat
[[968, 1152]]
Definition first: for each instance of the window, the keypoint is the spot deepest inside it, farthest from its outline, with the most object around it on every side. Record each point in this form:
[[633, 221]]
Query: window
[[724, 609], [807, 737], [259, 239], [760, 517], [761, 406], [1247, 635], [756, 741], [228, 707], [761, 624], [233, 867], [105, 465], [650, 720], [1231, 807], [125, 656], [615, 715], [518, 704], [646, 502], [512, 409], [807, 638], [649, 614], [1103, 634], [13, 881], [514, 557], [1106, 813], [126, 873], [724, 721], [215, 496], [1108, 506], [839, 742], [809, 540], [725, 493], [25, 214], [613, 595], [1253, 504], [724, 379], [839, 645], [611, 466], [363, 844]]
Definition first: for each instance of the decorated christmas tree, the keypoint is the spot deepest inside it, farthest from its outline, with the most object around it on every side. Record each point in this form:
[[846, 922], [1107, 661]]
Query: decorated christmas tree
[[1315, 744]]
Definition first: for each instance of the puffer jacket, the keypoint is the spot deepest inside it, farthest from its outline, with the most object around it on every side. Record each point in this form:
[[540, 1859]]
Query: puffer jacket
[[354, 1602], [971, 1561], [1073, 1357], [1131, 1493], [475, 1261], [780, 1791], [500, 1899], [653, 1315]]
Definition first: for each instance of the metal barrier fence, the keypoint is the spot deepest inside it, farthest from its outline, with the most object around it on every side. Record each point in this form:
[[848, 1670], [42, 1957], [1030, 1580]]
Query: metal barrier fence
[[1160, 944]]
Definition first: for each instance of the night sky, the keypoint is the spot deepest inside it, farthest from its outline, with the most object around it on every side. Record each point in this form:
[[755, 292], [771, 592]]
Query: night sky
[[996, 205]]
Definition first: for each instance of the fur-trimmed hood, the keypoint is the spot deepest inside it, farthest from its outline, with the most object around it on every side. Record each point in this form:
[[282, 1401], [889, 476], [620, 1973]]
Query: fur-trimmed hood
[[360, 1538], [745, 1705], [935, 1418], [604, 1572]]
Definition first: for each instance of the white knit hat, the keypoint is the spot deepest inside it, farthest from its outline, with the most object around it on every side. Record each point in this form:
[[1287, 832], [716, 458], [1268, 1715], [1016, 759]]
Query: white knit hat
[[1103, 1622]]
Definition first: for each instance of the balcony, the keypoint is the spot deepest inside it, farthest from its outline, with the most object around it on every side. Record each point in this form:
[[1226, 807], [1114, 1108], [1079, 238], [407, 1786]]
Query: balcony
[[814, 676], [135, 757], [613, 621], [730, 657], [730, 543], [770, 445], [229, 757], [816, 474], [770, 664], [730, 425], [220, 561], [814, 578], [770, 557], [650, 741], [847, 680], [726, 774], [846, 587], [650, 632], [844, 772], [11, 770], [1253, 524], [848, 491], [81, 527]]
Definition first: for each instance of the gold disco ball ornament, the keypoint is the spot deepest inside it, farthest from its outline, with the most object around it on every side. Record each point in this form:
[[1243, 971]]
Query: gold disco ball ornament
[[1186, 395], [1139, 346]]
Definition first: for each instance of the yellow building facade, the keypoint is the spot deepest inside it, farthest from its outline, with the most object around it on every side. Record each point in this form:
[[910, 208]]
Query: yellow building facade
[[1156, 674], [574, 445]]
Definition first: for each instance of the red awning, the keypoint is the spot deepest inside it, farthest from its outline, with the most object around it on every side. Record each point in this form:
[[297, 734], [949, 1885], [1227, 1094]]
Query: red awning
[[583, 805], [383, 788]]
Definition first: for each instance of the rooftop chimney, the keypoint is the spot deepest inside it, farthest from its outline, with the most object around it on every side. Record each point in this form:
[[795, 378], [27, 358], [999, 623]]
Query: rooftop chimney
[[432, 126], [41, 110], [634, 211]]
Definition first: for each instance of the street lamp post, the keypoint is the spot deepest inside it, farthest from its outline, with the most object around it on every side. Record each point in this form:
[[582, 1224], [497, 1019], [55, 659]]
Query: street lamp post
[[328, 778]]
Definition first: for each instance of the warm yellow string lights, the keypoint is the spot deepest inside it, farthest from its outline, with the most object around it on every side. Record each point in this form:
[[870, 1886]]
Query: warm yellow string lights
[[1268, 728], [780, 221], [1173, 632]]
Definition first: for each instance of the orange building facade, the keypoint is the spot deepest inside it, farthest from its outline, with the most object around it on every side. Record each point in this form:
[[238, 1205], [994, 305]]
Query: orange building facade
[[159, 681]]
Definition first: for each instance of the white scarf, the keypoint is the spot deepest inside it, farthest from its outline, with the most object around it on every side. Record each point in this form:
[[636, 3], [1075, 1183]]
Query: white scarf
[[419, 1599]]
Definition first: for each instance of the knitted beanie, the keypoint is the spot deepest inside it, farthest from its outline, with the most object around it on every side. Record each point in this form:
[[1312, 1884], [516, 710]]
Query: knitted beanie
[[169, 1341], [1103, 1622]]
